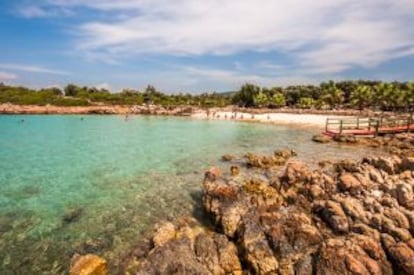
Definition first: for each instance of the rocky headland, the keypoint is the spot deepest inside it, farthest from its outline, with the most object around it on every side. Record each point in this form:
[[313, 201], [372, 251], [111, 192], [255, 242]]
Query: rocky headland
[[270, 214]]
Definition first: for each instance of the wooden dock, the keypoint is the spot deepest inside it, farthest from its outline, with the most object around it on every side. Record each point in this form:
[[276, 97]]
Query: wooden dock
[[369, 126]]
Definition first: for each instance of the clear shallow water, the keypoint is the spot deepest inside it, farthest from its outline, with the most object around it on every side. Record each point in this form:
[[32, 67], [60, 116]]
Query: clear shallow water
[[123, 175]]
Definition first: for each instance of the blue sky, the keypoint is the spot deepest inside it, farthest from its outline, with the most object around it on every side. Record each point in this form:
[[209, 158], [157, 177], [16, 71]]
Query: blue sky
[[197, 46]]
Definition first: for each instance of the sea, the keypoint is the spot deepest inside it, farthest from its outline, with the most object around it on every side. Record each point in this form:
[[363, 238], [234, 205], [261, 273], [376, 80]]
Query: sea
[[96, 184]]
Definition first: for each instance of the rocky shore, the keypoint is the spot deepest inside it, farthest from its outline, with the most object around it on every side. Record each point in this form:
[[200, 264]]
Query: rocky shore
[[97, 108], [398, 144], [270, 214]]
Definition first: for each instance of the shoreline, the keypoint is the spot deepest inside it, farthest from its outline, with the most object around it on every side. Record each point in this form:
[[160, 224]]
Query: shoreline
[[273, 116]]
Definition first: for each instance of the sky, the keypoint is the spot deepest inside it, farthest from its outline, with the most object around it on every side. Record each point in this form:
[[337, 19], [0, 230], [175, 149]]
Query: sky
[[204, 46]]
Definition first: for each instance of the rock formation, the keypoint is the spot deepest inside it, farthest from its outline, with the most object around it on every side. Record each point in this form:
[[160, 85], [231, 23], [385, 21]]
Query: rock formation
[[347, 218]]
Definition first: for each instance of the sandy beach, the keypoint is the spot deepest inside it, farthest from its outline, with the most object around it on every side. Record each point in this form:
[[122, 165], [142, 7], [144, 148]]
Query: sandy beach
[[304, 119], [318, 120]]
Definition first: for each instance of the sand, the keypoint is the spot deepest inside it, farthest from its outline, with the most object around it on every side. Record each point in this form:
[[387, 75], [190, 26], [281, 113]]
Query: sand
[[276, 118]]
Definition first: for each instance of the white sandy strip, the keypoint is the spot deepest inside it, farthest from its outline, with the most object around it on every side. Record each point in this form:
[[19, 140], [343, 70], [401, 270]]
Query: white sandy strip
[[277, 118]]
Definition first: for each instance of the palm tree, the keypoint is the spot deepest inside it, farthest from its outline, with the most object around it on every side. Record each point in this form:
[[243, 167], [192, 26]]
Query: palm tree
[[331, 95], [361, 97], [387, 96]]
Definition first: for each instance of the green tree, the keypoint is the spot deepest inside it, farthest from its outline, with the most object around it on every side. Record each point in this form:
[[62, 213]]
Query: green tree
[[331, 95], [410, 95], [71, 90], [361, 97], [245, 96], [278, 100], [386, 96], [306, 102], [260, 99]]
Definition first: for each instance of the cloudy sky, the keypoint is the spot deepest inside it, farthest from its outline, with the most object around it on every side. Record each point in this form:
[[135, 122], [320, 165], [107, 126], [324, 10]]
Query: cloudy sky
[[209, 45]]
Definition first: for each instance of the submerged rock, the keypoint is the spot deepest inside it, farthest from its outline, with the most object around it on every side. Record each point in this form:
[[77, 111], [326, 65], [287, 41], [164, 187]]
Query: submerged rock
[[89, 264], [72, 215], [227, 157], [321, 138]]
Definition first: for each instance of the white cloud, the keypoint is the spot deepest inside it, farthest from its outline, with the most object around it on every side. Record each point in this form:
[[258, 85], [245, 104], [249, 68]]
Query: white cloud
[[229, 78], [32, 11], [105, 86], [32, 69], [7, 76], [321, 38], [322, 34]]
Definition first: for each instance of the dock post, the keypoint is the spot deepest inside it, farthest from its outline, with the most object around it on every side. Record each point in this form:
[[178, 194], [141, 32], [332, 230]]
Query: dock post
[[357, 123], [326, 125], [340, 127], [377, 128]]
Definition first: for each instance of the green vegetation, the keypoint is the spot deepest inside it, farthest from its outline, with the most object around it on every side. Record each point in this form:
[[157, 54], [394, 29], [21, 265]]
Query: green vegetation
[[385, 96]]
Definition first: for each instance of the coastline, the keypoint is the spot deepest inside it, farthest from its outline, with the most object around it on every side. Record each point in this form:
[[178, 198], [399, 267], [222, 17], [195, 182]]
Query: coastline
[[274, 116]]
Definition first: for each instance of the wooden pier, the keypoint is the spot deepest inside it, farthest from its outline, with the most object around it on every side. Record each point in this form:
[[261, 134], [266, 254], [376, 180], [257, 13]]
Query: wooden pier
[[369, 126]]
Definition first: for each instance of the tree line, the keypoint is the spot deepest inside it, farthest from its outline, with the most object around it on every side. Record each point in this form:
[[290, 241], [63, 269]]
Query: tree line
[[385, 96]]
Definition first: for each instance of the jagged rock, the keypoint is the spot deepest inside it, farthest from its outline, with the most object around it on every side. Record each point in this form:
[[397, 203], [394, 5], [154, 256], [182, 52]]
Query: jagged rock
[[89, 264], [230, 219], [174, 257], [255, 247], [290, 232], [264, 194], [401, 253], [296, 172], [321, 138], [217, 253], [347, 165], [333, 214], [213, 173], [405, 195], [354, 209], [330, 221], [356, 255], [164, 234], [407, 164], [387, 164], [264, 162], [348, 183]]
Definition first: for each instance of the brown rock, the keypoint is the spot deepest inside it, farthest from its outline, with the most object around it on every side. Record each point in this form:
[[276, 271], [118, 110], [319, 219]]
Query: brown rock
[[285, 153], [213, 173], [321, 138], [234, 170], [164, 234], [405, 195], [89, 264], [296, 172], [227, 157], [257, 252], [333, 214], [348, 183], [403, 256]]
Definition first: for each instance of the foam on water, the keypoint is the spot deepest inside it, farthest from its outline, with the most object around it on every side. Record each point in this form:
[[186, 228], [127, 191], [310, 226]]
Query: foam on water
[[123, 175]]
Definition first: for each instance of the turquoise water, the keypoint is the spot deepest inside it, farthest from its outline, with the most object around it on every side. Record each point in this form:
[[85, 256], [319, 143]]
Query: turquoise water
[[121, 176]]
